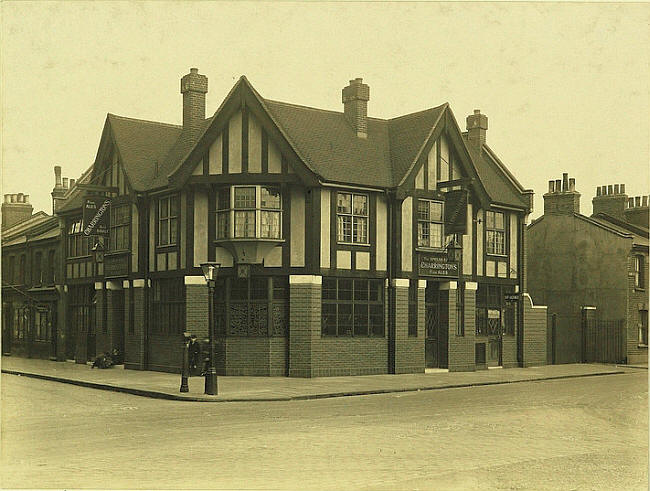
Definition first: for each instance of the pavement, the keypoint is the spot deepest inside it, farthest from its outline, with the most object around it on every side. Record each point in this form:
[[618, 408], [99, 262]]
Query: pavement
[[238, 389]]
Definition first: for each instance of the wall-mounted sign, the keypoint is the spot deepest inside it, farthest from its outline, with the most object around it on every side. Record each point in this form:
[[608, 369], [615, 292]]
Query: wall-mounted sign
[[96, 216], [437, 265], [511, 297]]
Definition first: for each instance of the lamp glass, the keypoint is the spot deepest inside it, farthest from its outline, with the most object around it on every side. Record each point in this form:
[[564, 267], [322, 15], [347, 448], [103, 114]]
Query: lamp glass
[[210, 270]]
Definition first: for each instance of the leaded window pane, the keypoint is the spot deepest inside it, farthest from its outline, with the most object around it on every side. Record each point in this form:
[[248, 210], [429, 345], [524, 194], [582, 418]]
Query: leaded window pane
[[360, 203], [361, 319], [344, 203], [360, 230], [223, 224], [345, 321], [244, 224], [270, 224], [345, 289], [329, 319], [344, 228], [436, 211], [245, 197], [270, 198], [361, 289], [223, 199], [164, 232]]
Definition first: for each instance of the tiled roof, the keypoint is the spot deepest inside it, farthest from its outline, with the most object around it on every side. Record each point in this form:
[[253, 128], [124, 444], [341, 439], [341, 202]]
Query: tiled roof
[[331, 147], [495, 180], [143, 143], [640, 233]]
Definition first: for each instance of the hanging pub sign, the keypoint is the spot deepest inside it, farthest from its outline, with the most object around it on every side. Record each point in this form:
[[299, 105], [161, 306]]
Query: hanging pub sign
[[437, 265], [456, 211], [96, 216]]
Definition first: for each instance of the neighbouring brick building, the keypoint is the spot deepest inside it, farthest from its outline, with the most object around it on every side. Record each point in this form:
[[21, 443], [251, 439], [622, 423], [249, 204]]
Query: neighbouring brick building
[[348, 244], [592, 273]]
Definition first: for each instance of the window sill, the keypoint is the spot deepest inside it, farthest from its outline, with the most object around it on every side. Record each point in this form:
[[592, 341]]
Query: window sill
[[642, 346], [360, 244], [79, 257], [493, 254], [639, 289], [430, 249], [116, 253], [249, 239]]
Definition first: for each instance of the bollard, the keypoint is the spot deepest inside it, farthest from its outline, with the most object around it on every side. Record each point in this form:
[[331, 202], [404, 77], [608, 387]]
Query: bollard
[[185, 368]]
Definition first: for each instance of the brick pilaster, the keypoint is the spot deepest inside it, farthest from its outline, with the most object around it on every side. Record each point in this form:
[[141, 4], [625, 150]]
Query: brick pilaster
[[460, 354], [409, 350], [114, 315], [304, 324], [196, 306], [134, 343]]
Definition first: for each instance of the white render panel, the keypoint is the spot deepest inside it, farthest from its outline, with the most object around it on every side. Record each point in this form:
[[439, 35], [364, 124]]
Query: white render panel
[[216, 161], [480, 220], [467, 243], [513, 245], [343, 259], [297, 227], [490, 268], [234, 144], [432, 163], [362, 261], [502, 269], [419, 178], [198, 170], [274, 258], [407, 241], [254, 145], [382, 231], [275, 159], [223, 257], [200, 227], [325, 205]]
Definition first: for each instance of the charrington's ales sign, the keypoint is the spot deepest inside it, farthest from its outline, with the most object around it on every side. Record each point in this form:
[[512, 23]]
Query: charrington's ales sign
[[96, 216], [437, 265]]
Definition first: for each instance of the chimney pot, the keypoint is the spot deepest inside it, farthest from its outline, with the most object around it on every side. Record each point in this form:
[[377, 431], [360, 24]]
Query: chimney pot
[[551, 186], [26, 198], [72, 181], [597, 190], [20, 198], [565, 182], [477, 111], [7, 198], [194, 70], [355, 99], [65, 183], [558, 185], [630, 202], [622, 188], [13, 198], [637, 200], [604, 190], [610, 189], [572, 184], [57, 176], [616, 189], [645, 201]]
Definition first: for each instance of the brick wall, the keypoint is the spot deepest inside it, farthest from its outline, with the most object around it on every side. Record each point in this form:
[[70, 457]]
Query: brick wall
[[534, 333], [461, 354], [350, 356], [409, 350], [196, 309], [254, 356], [637, 301], [115, 316]]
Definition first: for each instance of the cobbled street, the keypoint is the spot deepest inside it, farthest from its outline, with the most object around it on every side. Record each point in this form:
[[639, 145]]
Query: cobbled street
[[582, 433]]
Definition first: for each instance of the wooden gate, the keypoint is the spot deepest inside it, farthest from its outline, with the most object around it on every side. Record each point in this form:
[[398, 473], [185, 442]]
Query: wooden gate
[[603, 341]]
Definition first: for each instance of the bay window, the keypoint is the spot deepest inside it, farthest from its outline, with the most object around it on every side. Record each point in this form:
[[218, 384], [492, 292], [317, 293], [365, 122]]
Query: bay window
[[352, 218], [244, 212], [495, 233], [430, 224]]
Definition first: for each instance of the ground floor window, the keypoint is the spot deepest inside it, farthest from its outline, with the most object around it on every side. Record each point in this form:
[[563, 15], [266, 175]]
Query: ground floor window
[[81, 307], [252, 307], [42, 324], [493, 315], [352, 307], [168, 306]]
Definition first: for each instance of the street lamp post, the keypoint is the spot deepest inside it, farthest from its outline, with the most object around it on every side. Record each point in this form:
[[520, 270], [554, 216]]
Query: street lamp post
[[210, 271]]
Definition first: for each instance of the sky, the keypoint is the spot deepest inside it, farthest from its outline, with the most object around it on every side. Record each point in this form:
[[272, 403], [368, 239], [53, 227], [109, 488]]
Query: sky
[[565, 86]]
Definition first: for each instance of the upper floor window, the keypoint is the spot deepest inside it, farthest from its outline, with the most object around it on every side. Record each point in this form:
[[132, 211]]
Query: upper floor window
[[352, 218], [21, 269], [120, 228], [9, 270], [495, 232], [639, 280], [51, 267], [37, 277], [78, 243], [168, 220], [430, 224], [249, 212]]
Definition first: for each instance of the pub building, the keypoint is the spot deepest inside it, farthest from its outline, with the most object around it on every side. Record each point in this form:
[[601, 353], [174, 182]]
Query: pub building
[[348, 245]]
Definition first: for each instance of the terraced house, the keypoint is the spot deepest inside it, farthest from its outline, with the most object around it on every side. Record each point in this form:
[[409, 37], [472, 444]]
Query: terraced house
[[347, 244]]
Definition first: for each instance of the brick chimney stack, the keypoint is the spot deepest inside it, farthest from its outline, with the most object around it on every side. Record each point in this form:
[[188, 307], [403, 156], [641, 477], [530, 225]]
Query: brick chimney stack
[[562, 197], [637, 211], [16, 208], [610, 200], [477, 125], [355, 106], [193, 87], [60, 189]]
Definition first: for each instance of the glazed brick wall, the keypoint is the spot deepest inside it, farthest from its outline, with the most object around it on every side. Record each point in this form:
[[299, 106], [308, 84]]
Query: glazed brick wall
[[342, 356], [102, 334], [254, 356], [509, 351], [534, 329], [165, 353], [304, 328], [134, 347], [461, 348], [637, 300], [409, 350], [114, 317], [196, 310]]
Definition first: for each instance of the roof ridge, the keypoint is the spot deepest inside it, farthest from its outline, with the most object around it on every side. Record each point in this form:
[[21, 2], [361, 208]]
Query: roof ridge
[[602, 225], [418, 112], [159, 123]]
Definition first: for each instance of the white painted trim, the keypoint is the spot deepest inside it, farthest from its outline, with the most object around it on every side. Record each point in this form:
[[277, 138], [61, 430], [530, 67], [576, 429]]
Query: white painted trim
[[471, 285], [195, 280], [422, 283], [138, 283], [305, 279], [65, 288], [532, 304], [99, 285], [126, 284], [588, 307], [449, 285], [113, 285], [400, 282], [343, 186]]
